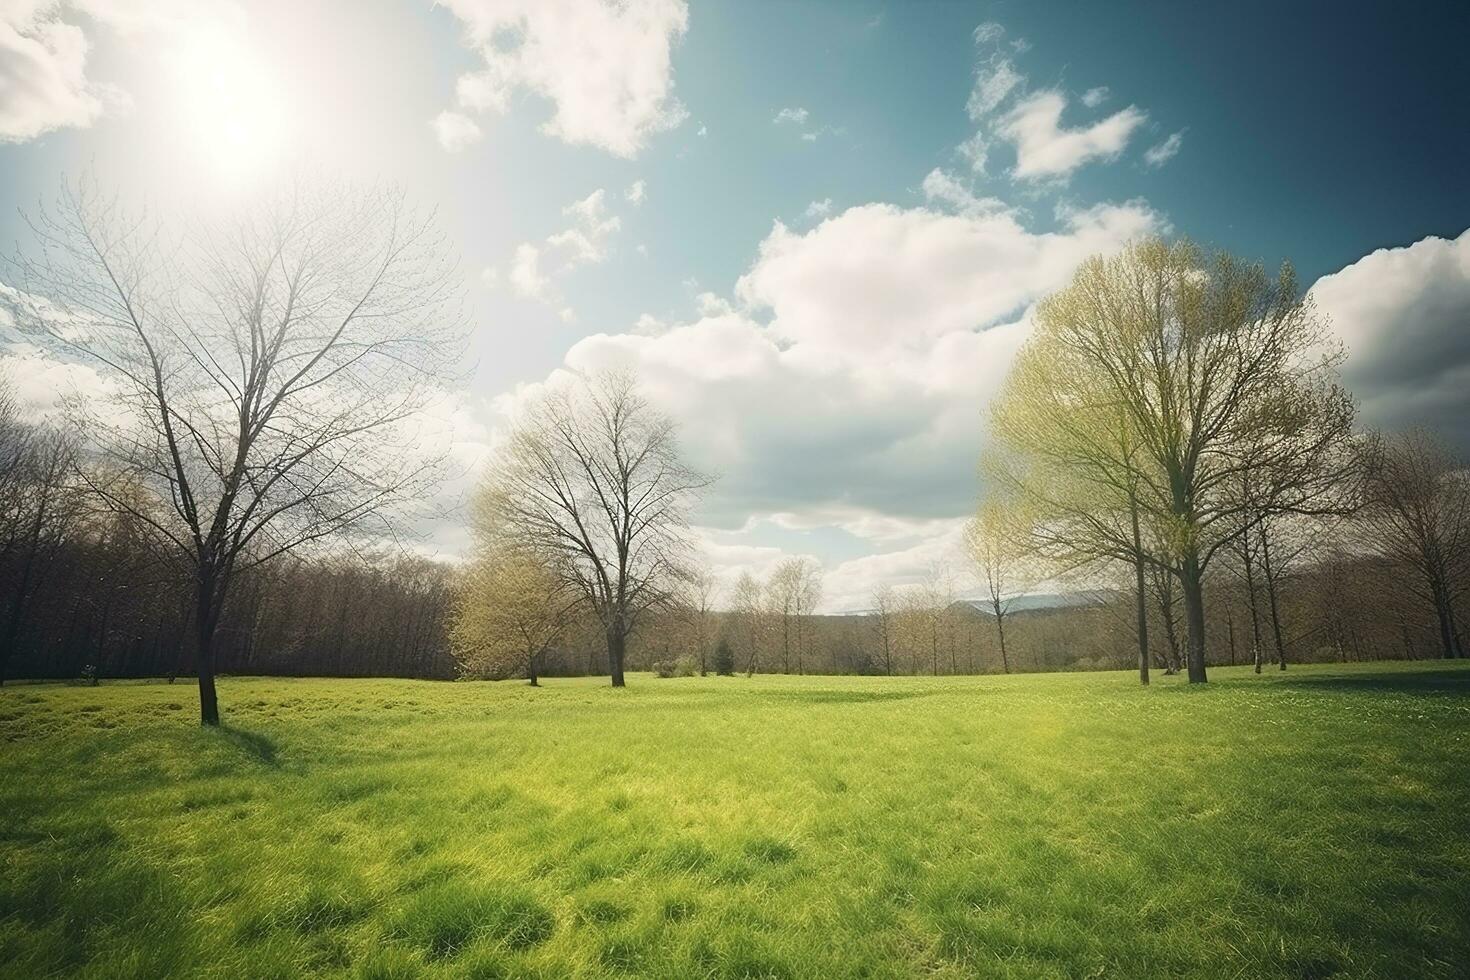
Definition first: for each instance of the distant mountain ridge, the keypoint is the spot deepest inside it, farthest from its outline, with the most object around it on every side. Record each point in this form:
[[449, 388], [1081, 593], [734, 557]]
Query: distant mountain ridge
[[1021, 603]]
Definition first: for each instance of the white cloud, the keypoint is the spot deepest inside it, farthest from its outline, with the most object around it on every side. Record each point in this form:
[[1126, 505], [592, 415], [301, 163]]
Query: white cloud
[[1404, 315], [606, 68], [710, 304], [1161, 153], [796, 116], [534, 268], [811, 136], [976, 152], [844, 386], [943, 187], [989, 33], [44, 57], [994, 81], [43, 84], [1045, 149], [455, 130], [43, 73], [636, 192], [819, 209], [702, 131]]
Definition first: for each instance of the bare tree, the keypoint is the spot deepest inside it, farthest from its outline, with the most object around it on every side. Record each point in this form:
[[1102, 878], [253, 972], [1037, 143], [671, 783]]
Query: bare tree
[[266, 373], [38, 503], [885, 624], [698, 600], [749, 609], [783, 599], [591, 474], [808, 598], [996, 545], [1417, 515]]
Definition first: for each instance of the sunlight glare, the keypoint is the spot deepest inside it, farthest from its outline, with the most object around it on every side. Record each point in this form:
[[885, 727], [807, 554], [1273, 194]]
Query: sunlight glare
[[232, 111]]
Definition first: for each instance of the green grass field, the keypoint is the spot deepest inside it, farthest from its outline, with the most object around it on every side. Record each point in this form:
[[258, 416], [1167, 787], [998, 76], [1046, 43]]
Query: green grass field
[[1309, 824]]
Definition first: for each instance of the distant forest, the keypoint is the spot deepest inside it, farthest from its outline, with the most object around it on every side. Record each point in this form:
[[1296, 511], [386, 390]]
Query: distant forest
[[84, 600]]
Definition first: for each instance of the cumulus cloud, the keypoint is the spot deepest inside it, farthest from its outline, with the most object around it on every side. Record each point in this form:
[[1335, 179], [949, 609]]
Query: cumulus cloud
[[796, 116], [1404, 316], [1045, 149], [1095, 97], [43, 73], [607, 69], [455, 130], [843, 384], [43, 83], [1161, 153], [636, 192], [534, 268]]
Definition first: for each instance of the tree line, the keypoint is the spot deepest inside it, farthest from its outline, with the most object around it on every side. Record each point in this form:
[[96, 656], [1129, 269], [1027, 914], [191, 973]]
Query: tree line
[[1172, 448]]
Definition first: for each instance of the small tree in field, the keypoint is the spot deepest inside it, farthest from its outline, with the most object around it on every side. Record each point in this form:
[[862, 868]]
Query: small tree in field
[[511, 610], [264, 374], [591, 477], [724, 659], [996, 541]]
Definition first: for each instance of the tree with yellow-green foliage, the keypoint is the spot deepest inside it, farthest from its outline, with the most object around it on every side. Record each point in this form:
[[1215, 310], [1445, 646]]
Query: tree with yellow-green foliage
[[1152, 386], [511, 609]]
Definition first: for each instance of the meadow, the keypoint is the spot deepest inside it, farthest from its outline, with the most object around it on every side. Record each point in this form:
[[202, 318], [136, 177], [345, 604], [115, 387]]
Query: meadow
[[1308, 824]]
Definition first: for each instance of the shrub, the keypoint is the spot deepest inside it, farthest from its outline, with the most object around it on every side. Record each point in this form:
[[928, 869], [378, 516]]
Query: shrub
[[682, 667]]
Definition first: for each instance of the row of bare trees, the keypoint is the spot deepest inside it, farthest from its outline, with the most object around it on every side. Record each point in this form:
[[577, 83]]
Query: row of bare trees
[[89, 591]]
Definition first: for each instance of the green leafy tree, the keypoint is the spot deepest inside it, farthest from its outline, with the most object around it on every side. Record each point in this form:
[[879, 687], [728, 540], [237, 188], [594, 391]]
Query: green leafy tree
[[1151, 387]]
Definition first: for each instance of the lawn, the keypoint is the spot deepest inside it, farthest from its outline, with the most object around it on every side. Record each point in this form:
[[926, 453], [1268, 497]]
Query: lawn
[[1308, 824]]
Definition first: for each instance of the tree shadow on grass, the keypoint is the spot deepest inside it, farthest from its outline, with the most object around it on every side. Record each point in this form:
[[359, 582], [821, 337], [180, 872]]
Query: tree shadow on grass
[[1429, 682], [259, 747]]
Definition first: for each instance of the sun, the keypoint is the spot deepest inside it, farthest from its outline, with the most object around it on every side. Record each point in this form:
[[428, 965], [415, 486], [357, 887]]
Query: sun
[[232, 112]]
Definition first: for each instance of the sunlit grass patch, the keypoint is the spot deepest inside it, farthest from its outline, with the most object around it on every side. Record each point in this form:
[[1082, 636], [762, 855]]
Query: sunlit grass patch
[[1043, 826]]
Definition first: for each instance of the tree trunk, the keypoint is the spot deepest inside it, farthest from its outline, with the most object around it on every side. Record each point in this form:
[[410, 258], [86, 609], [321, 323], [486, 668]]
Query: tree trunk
[[617, 643], [1000, 629], [1191, 578], [207, 619], [1230, 631], [1142, 616], [1449, 641], [1166, 613], [208, 699], [1271, 599], [1142, 595]]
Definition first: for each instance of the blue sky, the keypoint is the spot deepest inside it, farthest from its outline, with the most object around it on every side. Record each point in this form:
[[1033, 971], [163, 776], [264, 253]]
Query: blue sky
[[776, 213]]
